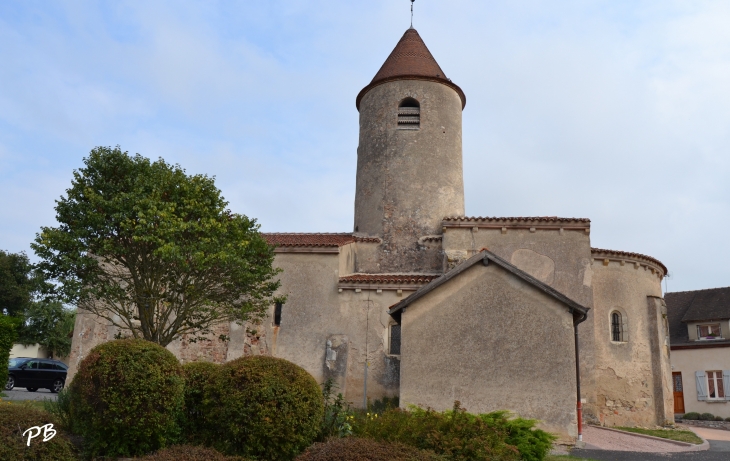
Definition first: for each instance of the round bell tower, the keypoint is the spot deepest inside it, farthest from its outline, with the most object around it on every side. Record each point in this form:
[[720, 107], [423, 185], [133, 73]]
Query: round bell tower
[[409, 162]]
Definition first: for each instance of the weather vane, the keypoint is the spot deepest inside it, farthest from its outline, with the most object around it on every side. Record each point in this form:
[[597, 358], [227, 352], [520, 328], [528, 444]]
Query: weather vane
[[412, 1]]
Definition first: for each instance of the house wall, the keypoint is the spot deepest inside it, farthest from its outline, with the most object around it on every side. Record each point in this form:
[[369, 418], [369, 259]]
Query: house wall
[[689, 361], [632, 378], [33, 351], [492, 342], [561, 259], [408, 180], [354, 323]]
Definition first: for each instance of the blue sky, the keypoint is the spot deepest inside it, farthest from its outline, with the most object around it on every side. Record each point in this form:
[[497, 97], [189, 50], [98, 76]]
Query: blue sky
[[615, 111]]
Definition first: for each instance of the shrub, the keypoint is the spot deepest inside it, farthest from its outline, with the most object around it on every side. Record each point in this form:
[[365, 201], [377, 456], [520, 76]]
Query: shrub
[[263, 407], [691, 416], [357, 449], [189, 453], [707, 417], [198, 376], [337, 420], [16, 419], [60, 409], [458, 434], [127, 397], [8, 335]]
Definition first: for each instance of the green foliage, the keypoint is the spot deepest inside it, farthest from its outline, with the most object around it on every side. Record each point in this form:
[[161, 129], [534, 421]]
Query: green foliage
[[459, 435], [14, 420], [141, 243], [357, 449], [338, 418], [707, 417], [8, 334], [384, 404], [17, 283], [126, 398], [719, 418], [60, 409], [672, 434], [198, 376], [691, 416], [49, 324], [189, 453], [263, 407]]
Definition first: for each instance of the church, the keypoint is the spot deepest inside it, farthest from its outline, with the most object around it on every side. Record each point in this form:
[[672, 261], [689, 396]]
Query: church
[[426, 304]]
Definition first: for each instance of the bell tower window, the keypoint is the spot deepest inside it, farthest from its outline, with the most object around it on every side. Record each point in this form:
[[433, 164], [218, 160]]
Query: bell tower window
[[409, 115]]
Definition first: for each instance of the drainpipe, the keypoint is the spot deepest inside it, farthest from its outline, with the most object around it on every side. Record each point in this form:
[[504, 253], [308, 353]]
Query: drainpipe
[[579, 406]]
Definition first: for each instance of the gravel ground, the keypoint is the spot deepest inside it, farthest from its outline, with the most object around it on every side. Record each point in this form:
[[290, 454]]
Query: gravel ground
[[602, 439]]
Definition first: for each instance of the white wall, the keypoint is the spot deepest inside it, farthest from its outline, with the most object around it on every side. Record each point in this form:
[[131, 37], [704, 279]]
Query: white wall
[[688, 361]]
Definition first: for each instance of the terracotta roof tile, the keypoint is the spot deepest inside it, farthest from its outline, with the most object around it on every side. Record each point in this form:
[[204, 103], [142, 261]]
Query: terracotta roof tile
[[516, 218], [314, 239], [410, 60], [389, 278], [631, 255]]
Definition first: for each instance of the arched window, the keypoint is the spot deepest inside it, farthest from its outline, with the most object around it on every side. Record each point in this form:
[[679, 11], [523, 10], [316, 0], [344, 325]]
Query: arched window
[[409, 114], [618, 327]]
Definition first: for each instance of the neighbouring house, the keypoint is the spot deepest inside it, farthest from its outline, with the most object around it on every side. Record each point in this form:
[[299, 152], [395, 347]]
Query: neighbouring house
[[699, 324], [498, 336], [33, 351]]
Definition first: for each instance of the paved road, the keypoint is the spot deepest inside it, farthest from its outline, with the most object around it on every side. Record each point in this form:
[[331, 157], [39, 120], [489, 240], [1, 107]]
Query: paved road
[[19, 393]]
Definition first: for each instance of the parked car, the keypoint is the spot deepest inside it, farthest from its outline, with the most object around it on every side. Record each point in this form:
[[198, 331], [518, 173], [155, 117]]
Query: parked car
[[34, 374]]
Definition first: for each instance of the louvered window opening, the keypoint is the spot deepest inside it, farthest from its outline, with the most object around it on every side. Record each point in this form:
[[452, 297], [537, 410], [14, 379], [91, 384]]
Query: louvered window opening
[[409, 118]]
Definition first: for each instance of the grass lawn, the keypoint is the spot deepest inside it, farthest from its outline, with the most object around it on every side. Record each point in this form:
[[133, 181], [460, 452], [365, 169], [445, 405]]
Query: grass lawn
[[672, 434], [37, 404]]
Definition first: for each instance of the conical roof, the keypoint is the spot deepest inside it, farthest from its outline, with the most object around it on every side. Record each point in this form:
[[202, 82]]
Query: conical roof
[[410, 60]]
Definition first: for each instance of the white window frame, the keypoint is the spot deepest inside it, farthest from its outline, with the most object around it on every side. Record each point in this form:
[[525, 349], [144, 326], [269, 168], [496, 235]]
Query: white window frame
[[712, 385], [709, 338]]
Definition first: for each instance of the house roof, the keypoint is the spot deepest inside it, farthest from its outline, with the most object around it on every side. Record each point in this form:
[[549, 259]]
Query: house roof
[[517, 218], [629, 255], [410, 60], [696, 306], [389, 278], [487, 257], [314, 239]]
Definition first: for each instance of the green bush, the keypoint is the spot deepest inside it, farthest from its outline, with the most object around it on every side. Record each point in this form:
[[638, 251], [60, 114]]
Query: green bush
[[357, 449], [8, 335], [691, 416], [60, 409], [198, 376], [263, 407], [16, 419], [337, 420], [719, 418], [127, 398], [707, 417], [727, 419], [189, 453], [459, 435]]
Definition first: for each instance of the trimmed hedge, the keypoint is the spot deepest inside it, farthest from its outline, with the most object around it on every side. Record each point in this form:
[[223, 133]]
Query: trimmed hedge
[[8, 335], [357, 449], [127, 398], [16, 419], [189, 453], [263, 407], [198, 376], [707, 417], [691, 416]]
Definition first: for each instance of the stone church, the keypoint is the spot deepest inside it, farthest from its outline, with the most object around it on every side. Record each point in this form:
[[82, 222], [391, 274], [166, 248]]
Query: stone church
[[432, 306]]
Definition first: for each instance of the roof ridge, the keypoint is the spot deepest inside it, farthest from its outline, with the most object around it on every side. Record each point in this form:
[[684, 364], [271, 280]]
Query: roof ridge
[[693, 291]]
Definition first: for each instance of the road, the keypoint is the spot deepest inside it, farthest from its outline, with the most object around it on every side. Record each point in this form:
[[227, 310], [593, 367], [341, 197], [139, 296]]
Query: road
[[19, 393]]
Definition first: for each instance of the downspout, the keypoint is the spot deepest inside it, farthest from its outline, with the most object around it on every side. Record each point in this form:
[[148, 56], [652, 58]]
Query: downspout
[[579, 406]]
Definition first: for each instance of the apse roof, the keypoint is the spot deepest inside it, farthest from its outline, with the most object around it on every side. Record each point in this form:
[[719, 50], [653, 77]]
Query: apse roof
[[410, 60]]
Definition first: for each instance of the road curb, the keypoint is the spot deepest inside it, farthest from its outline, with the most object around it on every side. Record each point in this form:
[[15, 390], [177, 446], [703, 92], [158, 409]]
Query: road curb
[[705, 445]]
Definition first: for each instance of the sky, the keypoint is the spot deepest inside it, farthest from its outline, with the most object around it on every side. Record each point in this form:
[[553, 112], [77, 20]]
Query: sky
[[617, 111]]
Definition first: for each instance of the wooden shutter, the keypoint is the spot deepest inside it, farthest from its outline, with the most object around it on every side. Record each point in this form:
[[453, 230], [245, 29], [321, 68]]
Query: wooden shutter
[[726, 383], [701, 385]]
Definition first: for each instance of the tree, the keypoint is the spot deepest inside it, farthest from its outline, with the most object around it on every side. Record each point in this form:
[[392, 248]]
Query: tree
[[50, 324], [155, 251], [17, 283]]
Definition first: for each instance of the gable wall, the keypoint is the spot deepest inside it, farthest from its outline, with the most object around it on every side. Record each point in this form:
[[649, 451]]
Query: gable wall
[[493, 342]]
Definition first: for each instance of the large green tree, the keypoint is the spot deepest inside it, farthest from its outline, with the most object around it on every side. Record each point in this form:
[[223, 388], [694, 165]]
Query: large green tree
[[48, 323], [155, 251], [17, 283]]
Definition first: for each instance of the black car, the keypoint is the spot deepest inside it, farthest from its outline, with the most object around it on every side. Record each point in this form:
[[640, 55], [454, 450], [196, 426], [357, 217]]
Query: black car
[[34, 374]]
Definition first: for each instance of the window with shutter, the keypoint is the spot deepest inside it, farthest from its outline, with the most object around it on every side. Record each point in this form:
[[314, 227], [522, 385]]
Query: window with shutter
[[701, 381], [409, 115]]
